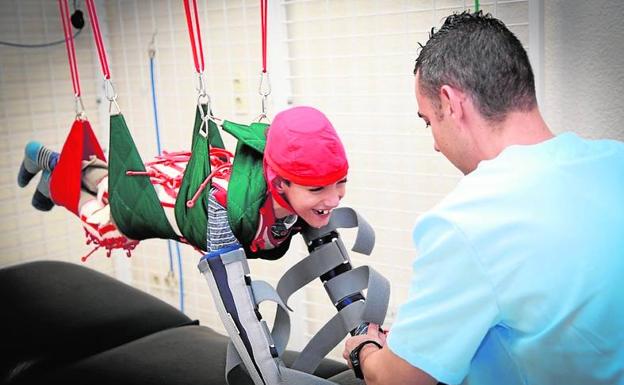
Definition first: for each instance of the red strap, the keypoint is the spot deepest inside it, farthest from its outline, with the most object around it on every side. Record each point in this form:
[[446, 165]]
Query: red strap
[[263, 27], [69, 44], [223, 171], [193, 32], [95, 25]]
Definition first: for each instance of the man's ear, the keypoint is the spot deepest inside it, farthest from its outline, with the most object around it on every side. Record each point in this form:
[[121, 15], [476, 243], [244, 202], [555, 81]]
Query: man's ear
[[453, 101]]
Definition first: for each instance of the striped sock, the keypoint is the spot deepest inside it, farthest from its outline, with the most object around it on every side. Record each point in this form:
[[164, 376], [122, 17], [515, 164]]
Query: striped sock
[[36, 158], [44, 157]]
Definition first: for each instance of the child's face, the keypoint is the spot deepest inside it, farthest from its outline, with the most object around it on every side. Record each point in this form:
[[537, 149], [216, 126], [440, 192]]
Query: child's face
[[314, 204]]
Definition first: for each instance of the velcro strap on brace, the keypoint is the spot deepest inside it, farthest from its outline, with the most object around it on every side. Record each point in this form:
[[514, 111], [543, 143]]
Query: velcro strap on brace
[[288, 376], [358, 279], [322, 260], [346, 218], [319, 262], [264, 292], [303, 272], [372, 310]]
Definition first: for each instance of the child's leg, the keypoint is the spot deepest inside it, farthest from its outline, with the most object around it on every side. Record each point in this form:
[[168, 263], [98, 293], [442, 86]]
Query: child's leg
[[37, 158], [94, 171]]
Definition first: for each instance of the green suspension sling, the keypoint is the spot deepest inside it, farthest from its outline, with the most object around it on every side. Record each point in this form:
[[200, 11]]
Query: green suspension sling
[[193, 221]]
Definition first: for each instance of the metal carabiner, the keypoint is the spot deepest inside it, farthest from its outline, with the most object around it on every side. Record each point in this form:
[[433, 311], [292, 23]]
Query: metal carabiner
[[201, 84], [79, 107], [111, 96], [263, 115], [204, 115], [264, 89], [151, 48], [109, 90]]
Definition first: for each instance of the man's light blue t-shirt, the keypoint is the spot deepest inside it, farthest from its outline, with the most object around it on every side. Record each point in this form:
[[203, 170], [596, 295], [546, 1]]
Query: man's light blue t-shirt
[[520, 273]]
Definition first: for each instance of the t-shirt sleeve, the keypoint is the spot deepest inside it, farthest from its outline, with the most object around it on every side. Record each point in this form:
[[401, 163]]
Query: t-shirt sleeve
[[450, 306]]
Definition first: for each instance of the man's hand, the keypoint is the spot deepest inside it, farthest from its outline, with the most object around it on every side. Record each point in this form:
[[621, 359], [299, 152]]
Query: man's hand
[[374, 333], [382, 365]]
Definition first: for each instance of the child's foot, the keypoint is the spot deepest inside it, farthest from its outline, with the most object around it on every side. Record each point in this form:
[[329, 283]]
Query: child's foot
[[36, 158], [41, 198]]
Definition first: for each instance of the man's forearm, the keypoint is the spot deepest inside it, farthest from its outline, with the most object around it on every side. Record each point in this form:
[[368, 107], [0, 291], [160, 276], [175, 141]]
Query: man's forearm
[[382, 367]]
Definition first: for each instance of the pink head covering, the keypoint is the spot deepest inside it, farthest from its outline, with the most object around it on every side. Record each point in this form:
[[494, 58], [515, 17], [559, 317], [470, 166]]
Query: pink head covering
[[303, 147]]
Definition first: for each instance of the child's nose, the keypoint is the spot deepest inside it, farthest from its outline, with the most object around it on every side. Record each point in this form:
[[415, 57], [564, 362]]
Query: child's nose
[[332, 200]]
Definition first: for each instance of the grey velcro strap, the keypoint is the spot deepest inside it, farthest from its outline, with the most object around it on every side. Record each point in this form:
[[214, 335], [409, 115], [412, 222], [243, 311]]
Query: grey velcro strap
[[305, 271], [345, 218], [356, 280], [328, 337], [262, 291], [372, 310], [319, 262], [294, 377]]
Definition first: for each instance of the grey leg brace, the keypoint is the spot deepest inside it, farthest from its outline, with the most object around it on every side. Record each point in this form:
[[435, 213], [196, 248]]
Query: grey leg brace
[[237, 298], [227, 274]]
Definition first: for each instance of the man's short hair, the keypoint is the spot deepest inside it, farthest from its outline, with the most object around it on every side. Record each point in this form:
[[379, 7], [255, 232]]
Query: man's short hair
[[478, 54]]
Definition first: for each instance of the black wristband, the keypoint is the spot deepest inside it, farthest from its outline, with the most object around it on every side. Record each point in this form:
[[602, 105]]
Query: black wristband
[[354, 357]]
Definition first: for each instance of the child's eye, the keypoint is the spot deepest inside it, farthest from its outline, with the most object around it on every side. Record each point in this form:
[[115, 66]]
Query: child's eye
[[315, 189]]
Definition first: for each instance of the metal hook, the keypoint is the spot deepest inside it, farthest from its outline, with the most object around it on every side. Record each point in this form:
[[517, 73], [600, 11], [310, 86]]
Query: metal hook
[[111, 95], [109, 90], [263, 104], [151, 49], [264, 88], [110, 107], [201, 88], [204, 115], [79, 107]]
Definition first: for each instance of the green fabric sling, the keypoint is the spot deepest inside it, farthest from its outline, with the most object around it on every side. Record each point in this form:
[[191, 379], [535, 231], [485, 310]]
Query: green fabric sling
[[134, 204], [136, 208], [193, 221], [247, 187]]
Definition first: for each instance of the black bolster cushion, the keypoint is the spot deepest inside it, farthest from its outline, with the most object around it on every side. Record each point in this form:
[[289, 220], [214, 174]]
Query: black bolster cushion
[[56, 312]]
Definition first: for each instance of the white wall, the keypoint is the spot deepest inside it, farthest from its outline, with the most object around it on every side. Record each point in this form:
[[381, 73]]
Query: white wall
[[351, 58], [584, 67]]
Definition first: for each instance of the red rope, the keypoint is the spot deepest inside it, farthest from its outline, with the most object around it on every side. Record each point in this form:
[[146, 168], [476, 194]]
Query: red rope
[[220, 161], [222, 171], [263, 28], [95, 25], [196, 44], [69, 44]]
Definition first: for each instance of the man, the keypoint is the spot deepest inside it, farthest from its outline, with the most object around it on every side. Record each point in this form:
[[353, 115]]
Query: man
[[518, 278]]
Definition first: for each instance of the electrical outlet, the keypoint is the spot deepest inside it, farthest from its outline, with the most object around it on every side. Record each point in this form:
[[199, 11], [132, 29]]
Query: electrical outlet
[[240, 105], [170, 280], [155, 279]]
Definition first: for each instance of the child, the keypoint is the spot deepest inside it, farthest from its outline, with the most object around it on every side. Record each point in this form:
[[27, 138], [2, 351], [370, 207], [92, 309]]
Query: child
[[305, 170]]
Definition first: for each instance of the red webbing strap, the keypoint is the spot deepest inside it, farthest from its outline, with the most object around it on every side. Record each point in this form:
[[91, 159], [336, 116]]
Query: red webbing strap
[[95, 25], [263, 27], [194, 31], [69, 44]]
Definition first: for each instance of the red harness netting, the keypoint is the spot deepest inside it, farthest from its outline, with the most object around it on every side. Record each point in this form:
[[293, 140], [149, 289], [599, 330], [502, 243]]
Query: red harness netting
[[108, 243], [167, 171]]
